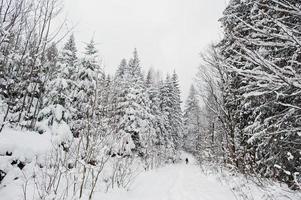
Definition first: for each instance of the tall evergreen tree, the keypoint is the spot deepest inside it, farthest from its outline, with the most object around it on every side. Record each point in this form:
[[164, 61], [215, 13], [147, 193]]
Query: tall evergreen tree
[[131, 113], [176, 111], [122, 69], [166, 104], [192, 121], [55, 114], [158, 118], [117, 111], [69, 52], [85, 96]]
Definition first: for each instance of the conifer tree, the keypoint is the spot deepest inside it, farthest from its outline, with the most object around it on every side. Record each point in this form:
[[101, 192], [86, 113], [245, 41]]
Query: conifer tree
[[166, 104], [157, 117], [54, 116], [123, 143], [59, 90], [122, 69], [176, 111], [85, 98], [192, 121], [130, 106], [69, 52]]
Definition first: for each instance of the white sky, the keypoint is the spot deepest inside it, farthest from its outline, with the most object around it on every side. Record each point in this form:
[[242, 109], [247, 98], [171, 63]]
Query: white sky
[[168, 34]]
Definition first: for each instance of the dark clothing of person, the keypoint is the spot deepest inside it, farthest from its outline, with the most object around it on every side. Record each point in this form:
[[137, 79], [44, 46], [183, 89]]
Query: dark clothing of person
[[186, 161]]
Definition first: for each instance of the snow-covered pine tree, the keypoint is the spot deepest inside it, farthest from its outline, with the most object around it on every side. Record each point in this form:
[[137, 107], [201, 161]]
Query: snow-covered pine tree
[[59, 89], [55, 113], [157, 121], [191, 121], [135, 117], [68, 58], [69, 52], [166, 103], [176, 116], [122, 140], [87, 92], [122, 70], [104, 83], [52, 55]]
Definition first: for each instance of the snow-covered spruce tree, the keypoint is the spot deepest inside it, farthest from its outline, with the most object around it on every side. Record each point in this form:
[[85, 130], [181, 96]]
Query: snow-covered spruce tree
[[117, 110], [176, 116], [56, 110], [52, 54], [105, 83], [131, 113], [85, 92], [166, 103], [261, 49], [158, 151], [170, 105], [69, 52], [191, 121], [122, 142]]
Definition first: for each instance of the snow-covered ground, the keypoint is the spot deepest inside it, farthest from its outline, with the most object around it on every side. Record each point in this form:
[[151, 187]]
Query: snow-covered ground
[[181, 181], [190, 182], [173, 182]]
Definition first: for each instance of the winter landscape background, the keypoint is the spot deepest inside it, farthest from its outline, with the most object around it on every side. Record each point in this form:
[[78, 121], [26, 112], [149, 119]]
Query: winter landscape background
[[74, 124]]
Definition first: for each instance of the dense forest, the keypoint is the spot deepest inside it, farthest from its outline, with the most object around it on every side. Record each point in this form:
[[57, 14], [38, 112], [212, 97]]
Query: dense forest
[[253, 88], [67, 127]]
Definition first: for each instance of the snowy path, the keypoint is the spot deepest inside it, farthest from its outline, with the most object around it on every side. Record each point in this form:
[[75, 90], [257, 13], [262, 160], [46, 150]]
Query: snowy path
[[174, 182]]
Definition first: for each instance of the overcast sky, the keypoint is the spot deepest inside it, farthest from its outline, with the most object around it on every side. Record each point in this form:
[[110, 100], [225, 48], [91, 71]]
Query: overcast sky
[[168, 34]]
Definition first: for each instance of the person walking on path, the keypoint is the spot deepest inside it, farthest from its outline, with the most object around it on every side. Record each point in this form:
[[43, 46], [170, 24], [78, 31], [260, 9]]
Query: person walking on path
[[186, 161]]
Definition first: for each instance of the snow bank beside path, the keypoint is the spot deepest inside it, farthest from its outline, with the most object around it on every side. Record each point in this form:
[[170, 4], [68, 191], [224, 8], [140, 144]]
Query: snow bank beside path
[[23, 145], [250, 188], [19, 151], [23, 154]]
